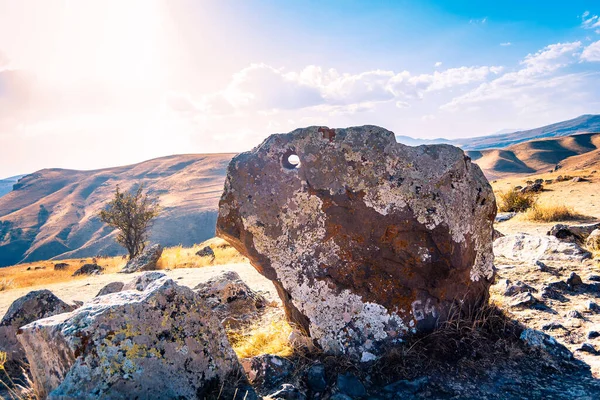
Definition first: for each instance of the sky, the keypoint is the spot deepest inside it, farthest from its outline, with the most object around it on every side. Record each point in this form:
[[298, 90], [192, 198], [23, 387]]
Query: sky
[[93, 84]]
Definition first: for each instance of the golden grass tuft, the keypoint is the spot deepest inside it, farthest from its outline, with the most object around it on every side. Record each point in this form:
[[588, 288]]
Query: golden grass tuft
[[515, 201], [269, 338], [185, 257], [552, 212], [6, 284]]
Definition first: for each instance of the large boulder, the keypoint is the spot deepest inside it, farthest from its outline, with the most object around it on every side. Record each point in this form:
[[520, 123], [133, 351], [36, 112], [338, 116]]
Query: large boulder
[[162, 343], [365, 239], [592, 242], [145, 261], [31, 307], [528, 248], [143, 281], [573, 233], [89, 269], [230, 298]]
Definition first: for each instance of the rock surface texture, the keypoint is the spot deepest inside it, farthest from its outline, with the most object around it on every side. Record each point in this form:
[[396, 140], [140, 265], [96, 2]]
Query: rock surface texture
[[162, 343], [365, 239], [528, 248], [31, 307], [145, 261]]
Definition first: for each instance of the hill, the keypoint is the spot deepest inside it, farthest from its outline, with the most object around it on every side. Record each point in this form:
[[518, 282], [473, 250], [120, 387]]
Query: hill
[[508, 137], [6, 185], [52, 213], [569, 153]]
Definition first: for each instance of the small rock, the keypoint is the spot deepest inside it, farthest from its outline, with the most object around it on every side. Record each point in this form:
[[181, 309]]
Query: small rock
[[552, 326], [578, 179], [206, 252], [592, 306], [350, 385], [112, 287], [538, 181], [288, 392], [367, 357], [504, 216], [593, 241], [143, 281], [315, 378], [521, 300], [541, 266], [594, 278], [89, 269], [518, 287], [526, 248], [405, 386], [145, 261], [299, 340], [574, 280], [541, 341], [497, 234], [266, 372], [587, 348], [593, 334], [38, 268], [532, 188], [574, 314], [60, 266]]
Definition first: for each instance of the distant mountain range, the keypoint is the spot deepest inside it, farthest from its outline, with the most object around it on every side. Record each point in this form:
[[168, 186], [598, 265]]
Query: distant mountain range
[[52, 213], [583, 124], [6, 185]]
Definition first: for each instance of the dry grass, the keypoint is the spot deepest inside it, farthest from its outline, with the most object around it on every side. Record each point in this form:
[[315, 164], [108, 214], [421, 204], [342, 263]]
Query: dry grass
[[266, 339], [43, 273], [185, 257], [515, 201], [22, 389], [551, 212]]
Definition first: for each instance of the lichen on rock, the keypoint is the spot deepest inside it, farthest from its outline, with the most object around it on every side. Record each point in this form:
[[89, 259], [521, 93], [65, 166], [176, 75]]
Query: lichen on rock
[[365, 239]]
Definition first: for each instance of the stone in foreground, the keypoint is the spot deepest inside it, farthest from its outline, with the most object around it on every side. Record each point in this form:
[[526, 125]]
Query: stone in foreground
[[31, 307], [145, 261], [527, 248], [365, 239], [162, 343]]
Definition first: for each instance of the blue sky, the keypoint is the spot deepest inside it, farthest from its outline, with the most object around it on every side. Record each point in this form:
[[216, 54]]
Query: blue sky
[[88, 84]]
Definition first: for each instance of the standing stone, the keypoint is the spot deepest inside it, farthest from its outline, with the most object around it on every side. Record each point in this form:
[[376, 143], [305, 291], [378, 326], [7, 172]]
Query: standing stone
[[145, 261], [162, 343], [365, 239], [31, 307], [110, 288]]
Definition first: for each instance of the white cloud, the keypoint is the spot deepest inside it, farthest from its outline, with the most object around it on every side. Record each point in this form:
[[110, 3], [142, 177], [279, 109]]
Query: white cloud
[[589, 21], [438, 64], [506, 44], [478, 21], [592, 52]]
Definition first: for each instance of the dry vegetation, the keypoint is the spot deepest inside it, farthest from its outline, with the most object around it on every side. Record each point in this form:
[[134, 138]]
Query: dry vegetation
[[540, 212], [261, 339], [43, 272], [515, 201]]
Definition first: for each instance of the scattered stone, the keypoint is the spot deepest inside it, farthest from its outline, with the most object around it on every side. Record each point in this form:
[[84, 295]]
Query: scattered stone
[[229, 296], [405, 386], [145, 261], [587, 348], [593, 334], [77, 303], [532, 188], [206, 252], [525, 299], [38, 268], [267, 372], [571, 233], [551, 326], [287, 392], [592, 306], [60, 266], [299, 340], [420, 235], [161, 343], [593, 241], [574, 314], [526, 248], [315, 378], [541, 266], [541, 341], [512, 289], [539, 181], [89, 269], [578, 179], [594, 278], [504, 216], [351, 385], [112, 287], [143, 281], [31, 307], [548, 181], [574, 280], [517, 188]]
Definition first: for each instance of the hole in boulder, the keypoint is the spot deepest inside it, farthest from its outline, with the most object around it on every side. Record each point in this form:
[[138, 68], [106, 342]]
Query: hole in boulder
[[290, 160]]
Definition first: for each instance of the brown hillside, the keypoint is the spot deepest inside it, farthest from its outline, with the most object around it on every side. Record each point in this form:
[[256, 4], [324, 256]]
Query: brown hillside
[[539, 156], [53, 212]]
